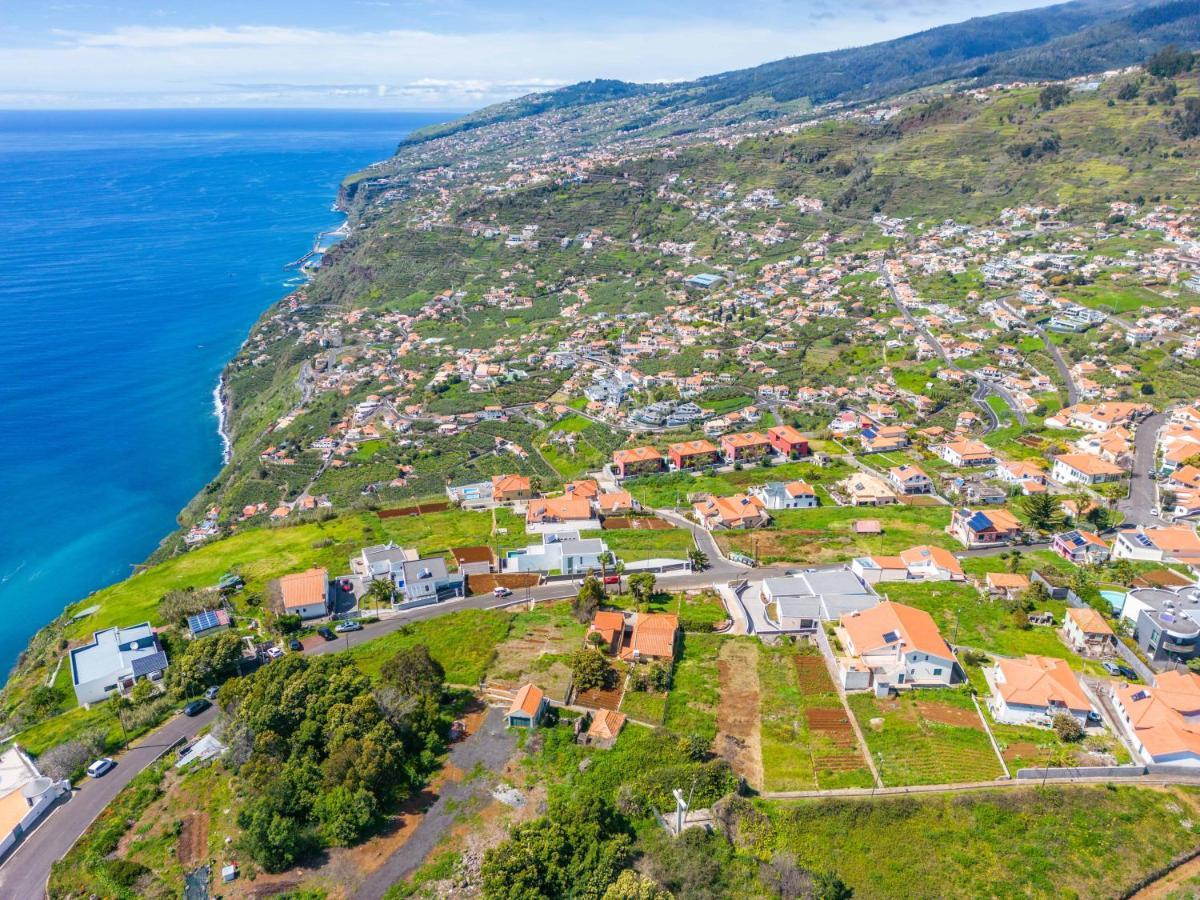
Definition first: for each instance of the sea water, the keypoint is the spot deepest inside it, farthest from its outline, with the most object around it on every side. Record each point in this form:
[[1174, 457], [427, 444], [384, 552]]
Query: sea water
[[136, 250]]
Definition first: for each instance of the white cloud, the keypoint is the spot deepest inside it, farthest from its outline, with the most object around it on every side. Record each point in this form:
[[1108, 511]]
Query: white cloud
[[267, 65]]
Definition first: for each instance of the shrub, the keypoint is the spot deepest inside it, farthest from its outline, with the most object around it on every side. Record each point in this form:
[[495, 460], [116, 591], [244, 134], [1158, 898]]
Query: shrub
[[1067, 728]]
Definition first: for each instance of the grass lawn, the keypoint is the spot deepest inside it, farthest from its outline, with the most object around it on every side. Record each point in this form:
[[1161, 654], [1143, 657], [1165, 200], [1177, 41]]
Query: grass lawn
[[825, 535], [536, 649], [692, 704], [967, 619], [927, 736], [463, 642], [258, 555], [698, 610], [1059, 841], [638, 544], [645, 706], [803, 750]]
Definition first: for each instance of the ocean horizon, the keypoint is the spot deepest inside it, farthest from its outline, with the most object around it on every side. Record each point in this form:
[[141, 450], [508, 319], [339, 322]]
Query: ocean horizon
[[137, 249]]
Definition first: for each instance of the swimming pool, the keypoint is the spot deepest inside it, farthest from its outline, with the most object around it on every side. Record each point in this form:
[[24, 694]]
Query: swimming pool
[[1116, 599]]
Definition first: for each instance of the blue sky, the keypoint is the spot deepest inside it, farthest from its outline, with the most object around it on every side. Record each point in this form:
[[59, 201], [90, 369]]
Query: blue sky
[[412, 54]]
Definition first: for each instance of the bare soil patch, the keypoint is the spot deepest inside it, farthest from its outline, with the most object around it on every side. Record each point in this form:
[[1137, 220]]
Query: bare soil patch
[[812, 676], [949, 715], [193, 839], [738, 738]]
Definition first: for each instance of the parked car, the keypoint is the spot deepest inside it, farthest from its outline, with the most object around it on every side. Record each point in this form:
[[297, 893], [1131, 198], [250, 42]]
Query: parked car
[[196, 707], [324, 632], [501, 592], [1128, 673], [211, 693], [1111, 668], [100, 767], [458, 731], [343, 627], [295, 646], [612, 579], [274, 653]]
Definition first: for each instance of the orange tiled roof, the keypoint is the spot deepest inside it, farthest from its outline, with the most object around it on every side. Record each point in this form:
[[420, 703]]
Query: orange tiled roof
[[1039, 681], [527, 701], [304, 588], [915, 627]]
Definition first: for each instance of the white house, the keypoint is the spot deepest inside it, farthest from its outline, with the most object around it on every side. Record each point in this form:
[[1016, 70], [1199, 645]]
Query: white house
[[425, 580], [1176, 543], [115, 660], [1033, 690], [25, 795], [562, 551], [792, 495], [892, 645], [1163, 722], [910, 479], [1084, 468], [306, 594]]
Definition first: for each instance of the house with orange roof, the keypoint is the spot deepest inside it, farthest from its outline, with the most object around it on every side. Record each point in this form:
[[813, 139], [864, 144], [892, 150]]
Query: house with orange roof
[[788, 441], [865, 489], [745, 446], [984, 528], [1020, 471], [1088, 633], [609, 627], [567, 513], [305, 594], [1171, 543], [693, 455], [965, 453], [1033, 690], [511, 488], [1162, 722], [653, 637], [727, 513], [612, 503], [635, 461], [1006, 584], [892, 645], [527, 707], [604, 728], [923, 563], [585, 489], [1084, 468], [1083, 548]]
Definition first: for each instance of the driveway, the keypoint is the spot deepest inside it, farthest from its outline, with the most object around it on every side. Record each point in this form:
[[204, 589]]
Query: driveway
[[489, 748], [25, 873]]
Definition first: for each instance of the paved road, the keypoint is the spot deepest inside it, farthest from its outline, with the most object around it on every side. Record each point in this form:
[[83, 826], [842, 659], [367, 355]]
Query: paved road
[[489, 748], [983, 389], [1139, 506], [25, 872]]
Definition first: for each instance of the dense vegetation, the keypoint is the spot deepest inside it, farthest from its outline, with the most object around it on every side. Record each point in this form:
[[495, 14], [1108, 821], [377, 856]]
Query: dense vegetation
[[320, 751]]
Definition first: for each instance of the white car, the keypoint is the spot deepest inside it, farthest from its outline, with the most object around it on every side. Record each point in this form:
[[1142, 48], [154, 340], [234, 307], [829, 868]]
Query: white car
[[274, 652], [100, 767], [501, 592]]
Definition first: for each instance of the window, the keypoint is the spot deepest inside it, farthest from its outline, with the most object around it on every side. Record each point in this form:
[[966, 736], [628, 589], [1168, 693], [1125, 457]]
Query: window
[[937, 671]]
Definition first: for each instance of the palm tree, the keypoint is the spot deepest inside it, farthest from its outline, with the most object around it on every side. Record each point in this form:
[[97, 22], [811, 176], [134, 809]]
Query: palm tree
[[605, 559], [698, 559], [382, 590]]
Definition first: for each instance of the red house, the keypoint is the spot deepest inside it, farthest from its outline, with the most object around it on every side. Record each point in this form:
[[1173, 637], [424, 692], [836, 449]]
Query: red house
[[637, 461], [788, 441], [693, 455], [746, 445]]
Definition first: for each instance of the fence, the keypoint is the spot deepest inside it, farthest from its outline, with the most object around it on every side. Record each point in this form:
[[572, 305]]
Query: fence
[[1071, 774]]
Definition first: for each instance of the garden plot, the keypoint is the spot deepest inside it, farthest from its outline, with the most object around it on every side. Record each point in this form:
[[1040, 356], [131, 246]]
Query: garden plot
[[926, 737], [536, 650]]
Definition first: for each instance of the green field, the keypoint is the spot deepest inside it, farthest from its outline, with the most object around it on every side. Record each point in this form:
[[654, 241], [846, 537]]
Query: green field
[[1052, 842], [795, 755], [926, 737], [826, 534], [463, 642]]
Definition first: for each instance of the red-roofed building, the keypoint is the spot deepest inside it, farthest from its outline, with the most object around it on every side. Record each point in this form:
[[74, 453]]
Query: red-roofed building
[[693, 455], [788, 441], [637, 461]]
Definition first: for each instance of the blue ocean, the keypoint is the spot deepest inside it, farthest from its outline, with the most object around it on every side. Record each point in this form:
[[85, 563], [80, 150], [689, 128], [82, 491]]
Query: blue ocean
[[136, 250]]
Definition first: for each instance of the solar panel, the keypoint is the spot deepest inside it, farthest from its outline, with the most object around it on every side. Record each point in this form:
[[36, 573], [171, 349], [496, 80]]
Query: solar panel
[[203, 621]]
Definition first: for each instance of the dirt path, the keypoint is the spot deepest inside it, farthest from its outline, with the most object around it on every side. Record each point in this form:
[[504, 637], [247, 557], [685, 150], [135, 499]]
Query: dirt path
[[738, 737]]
